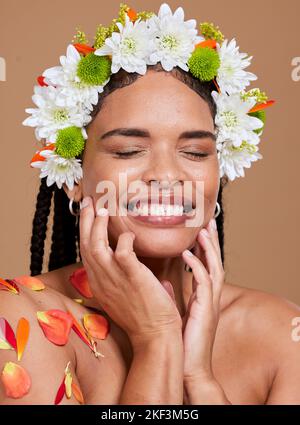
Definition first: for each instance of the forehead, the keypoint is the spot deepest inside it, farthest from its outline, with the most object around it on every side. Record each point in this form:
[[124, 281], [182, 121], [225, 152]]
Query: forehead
[[156, 100]]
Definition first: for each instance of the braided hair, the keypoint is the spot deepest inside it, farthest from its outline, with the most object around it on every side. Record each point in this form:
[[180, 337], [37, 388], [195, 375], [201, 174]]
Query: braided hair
[[65, 229]]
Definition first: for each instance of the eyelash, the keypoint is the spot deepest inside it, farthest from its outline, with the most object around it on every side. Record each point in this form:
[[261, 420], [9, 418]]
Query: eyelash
[[128, 154]]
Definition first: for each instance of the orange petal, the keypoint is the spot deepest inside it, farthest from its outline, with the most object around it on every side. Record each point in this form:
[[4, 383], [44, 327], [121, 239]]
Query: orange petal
[[7, 334], [207, 43], [83, 48], [22, 336], [9, 285], [38, 157], [132, 15], [79, 280], [41, 80], [85, 338], [56, 325], [261, 106], [77, 393], [96, 325], [80, 331], [16, 380], [30, 282]]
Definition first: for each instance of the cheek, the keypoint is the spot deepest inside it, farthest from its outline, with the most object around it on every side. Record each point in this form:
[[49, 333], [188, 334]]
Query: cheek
[[209, 176]]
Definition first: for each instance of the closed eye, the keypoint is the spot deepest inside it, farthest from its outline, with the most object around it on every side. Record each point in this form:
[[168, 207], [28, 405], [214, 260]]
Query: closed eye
[[193, 154]]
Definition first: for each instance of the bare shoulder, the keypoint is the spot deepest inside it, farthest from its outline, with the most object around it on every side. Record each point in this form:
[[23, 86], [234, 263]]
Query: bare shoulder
[[260, 307], [267, 327]]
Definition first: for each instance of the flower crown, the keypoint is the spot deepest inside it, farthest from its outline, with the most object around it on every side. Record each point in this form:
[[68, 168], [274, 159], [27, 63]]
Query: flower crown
[[65, 94]]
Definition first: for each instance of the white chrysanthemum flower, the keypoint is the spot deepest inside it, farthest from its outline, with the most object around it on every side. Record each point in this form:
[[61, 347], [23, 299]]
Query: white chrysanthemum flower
[[59, 170], [55, 110], [232, 160], [66, 77], [129, 47], [231, 75], [173, 38], [233, 120]]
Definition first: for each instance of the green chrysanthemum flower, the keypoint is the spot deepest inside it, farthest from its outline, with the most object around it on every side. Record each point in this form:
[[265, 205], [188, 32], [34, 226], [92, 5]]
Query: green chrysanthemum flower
[[260, 115], [204, 63], [69, 142], [94, 70]]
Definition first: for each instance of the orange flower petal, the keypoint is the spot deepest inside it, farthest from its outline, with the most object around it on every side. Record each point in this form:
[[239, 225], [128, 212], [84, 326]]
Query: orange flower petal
[[37, 157], [9, 285], [56, 325], [96, 325], [80, 331], [85, 338], [132, 15], [7, 334], [30, 282], [41, 80], [16, 380], [261, 106], [207, 43], [83, 48], [77, 393], [22, 336], [80, 282]]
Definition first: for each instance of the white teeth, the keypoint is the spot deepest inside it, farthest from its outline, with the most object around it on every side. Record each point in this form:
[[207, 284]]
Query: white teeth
[[159, 210]]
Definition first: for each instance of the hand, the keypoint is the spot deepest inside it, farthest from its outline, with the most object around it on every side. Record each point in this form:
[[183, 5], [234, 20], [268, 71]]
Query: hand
[[124, 287], [202, 315]]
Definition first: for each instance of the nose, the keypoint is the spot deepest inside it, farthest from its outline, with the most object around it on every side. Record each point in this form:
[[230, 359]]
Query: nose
[[164, 168]]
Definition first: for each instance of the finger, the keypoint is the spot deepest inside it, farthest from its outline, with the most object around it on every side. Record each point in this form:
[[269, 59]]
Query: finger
[[99, 235], [199, 253], [125, 255], [200, 274], [85, 223], [213, 260], [212, 228]]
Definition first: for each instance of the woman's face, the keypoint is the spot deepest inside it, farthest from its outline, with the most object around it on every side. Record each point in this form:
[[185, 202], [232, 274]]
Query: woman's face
[[164, 107]]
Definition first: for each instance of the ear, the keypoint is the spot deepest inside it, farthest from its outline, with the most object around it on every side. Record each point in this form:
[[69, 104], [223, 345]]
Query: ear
[[75, 193]]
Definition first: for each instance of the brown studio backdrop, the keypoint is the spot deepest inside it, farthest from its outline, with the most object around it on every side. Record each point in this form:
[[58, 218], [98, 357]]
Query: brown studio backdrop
[[261, 209]]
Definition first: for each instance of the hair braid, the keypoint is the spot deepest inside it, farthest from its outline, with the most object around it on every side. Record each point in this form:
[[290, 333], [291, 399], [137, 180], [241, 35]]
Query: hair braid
[[63, 248], [39, 227]]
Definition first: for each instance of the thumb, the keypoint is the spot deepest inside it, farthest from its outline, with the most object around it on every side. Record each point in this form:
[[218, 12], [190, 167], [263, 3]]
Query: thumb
[[169, 288]]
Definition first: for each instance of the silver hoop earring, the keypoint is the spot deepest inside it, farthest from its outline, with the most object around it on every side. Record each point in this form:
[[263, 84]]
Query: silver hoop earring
[[71, 208], [219, 210]]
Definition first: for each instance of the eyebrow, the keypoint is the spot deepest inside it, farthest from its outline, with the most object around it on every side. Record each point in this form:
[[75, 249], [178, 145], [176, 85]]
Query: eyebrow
[[140, 132]]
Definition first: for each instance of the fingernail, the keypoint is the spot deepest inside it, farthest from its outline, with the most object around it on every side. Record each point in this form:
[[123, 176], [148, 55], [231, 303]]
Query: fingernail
[[102, 212], [189, 253], [85, 202], [205, 233]]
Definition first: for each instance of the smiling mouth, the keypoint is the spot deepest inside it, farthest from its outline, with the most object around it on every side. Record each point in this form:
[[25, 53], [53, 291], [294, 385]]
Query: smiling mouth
[[160, 209]]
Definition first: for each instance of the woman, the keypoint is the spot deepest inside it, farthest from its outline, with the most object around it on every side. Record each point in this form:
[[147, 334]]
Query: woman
[[178, 332]]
